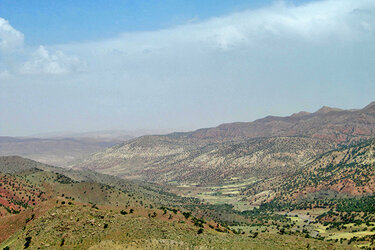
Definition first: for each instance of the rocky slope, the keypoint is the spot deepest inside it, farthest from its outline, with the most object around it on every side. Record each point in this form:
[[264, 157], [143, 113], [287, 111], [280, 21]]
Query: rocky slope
[[348, 171], [344, 172]]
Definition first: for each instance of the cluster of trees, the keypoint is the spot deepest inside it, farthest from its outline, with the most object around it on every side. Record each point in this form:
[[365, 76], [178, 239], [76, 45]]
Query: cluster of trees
[[361, 204]]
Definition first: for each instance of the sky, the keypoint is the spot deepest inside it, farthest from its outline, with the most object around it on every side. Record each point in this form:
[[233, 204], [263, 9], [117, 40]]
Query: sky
[[181, 64]]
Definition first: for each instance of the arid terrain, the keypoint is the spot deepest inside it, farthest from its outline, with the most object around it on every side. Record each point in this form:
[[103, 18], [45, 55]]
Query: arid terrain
[[303, 181], [189, 125], [41, 208]]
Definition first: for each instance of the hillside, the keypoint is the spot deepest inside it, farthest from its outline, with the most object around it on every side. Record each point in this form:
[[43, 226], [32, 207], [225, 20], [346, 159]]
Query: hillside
[[166, 159], [80, 226], [349, 171], [16, 195], [341, 173], [264, 148], [14, 165], [45, 209], [334, 195]]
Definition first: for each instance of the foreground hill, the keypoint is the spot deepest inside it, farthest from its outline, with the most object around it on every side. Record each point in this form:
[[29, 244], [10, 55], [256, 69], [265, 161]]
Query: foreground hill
[[14, 165], [41, 208], [264, 148], [81, 226]]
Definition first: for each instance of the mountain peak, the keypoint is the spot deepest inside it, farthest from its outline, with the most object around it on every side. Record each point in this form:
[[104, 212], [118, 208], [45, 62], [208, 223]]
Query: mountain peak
[[300, 114], [326, 109], [370, 107]]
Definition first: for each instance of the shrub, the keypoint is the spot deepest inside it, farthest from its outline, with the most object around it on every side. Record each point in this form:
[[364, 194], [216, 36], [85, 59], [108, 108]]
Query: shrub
[[28, 241], [123, 212], [186, 214]]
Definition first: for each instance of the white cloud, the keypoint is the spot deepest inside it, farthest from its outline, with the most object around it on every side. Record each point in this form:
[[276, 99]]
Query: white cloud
[[280, 37], [271, 29], [10, 38], [32, 61], [317, 22], [43, 61]]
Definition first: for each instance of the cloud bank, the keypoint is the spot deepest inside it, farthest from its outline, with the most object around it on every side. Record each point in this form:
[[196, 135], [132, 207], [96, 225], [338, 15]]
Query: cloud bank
[[43, 61], [10, 39], [277, 59]]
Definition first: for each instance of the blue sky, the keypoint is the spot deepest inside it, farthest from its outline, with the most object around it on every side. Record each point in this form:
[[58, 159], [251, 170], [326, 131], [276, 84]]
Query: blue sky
[[50, 22], [94, 65]]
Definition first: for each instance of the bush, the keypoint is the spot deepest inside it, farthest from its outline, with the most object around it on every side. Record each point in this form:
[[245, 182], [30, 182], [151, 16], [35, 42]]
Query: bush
[[123, 212], [27, 243], [200, 230], [186, 214]]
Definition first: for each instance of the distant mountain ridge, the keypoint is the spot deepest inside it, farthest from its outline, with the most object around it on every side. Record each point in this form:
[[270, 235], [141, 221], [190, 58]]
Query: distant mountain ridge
[[265, 148], [55, 151], [63, 148], [336, 125]]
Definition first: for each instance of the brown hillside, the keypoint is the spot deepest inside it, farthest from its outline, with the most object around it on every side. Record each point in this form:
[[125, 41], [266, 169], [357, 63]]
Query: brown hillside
[[349, 171], [336, 125]]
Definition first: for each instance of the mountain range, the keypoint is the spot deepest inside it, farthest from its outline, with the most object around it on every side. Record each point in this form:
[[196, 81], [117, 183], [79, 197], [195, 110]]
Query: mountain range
[[265, 148], [64, 148]]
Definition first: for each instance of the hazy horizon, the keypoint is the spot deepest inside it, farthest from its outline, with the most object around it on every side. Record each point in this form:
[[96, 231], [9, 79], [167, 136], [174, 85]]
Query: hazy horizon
[[91, 66], [145, 131]]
